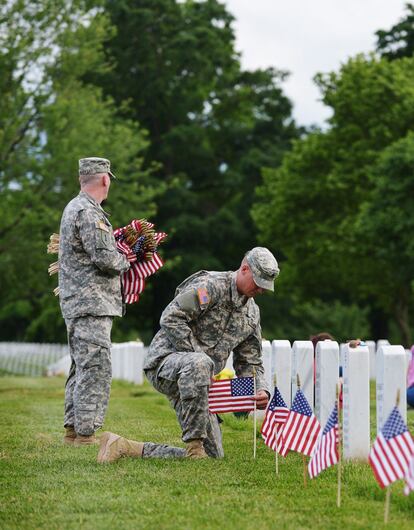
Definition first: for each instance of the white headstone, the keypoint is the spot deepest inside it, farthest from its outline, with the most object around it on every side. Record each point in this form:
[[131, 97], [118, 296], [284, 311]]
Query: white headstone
[[282, 368], [356, 427], [116, 362], [327, 378], [302, 364], [267, 361], [391, 377], [342, 347], [382, 342], [372, 359]]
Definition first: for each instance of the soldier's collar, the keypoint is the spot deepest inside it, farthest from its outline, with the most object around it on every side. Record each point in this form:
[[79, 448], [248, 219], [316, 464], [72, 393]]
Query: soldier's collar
[[237, 299], [92, 201]]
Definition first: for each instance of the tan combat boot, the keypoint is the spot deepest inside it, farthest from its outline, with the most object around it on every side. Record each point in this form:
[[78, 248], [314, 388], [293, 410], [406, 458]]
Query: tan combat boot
[[85, 440], [70, 436], [114, 447], [195, 449]]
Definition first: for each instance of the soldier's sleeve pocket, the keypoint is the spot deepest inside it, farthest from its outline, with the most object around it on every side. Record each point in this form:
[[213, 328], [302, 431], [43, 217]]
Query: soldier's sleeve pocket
[[103, 237], [187, 301]]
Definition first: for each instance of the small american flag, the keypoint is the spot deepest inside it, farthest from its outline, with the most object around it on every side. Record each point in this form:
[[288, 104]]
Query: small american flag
[[326, 450], [392, 450], [409, 477], [301, 430], [276, 414], [231, 395]]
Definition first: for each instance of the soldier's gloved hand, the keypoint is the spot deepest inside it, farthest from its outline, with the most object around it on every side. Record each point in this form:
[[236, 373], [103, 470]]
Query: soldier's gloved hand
[[261, 399]]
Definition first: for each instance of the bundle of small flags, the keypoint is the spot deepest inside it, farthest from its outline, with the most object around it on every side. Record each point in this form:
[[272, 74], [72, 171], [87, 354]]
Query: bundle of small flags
[[138, 241]]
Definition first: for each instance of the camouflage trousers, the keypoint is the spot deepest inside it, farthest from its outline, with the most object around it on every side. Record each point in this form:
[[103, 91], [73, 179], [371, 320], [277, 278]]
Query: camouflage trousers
[[89, 382], [185, 378]]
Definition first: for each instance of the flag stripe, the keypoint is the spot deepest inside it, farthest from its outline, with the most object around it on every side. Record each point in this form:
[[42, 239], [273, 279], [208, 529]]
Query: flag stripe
[[301, 430], [326, 450], [231, 395], [392, 450], [276, 414]]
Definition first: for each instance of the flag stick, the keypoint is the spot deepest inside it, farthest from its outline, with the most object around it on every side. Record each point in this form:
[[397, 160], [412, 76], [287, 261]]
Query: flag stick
[[254, 414], [338, 497], [388, 494], [276, 455], [387, 504], [276, 433], [305, 482]]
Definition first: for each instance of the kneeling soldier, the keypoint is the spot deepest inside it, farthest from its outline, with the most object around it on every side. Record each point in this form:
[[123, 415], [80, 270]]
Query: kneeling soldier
[[212, 315]]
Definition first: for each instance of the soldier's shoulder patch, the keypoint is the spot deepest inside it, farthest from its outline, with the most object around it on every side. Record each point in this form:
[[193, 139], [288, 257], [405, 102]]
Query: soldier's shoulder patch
[[203, 296], [102, 226]]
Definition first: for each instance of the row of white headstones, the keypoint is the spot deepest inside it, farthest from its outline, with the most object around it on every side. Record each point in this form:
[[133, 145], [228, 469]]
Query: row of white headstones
[[388, 367]]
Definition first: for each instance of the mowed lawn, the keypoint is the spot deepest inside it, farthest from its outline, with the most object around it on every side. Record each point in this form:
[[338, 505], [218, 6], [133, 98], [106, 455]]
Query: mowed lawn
[[44, 484]]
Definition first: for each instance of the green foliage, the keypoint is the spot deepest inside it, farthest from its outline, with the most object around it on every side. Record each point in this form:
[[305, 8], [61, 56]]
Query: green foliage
[[310, 206], [388, 218], [49, 117], [48, 485], [398, 41], [212, 126]]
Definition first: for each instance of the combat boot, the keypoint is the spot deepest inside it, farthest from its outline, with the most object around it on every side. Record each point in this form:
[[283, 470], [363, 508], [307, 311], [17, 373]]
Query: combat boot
[[70, 436], [114, 447], [85, 440], [195, 449]]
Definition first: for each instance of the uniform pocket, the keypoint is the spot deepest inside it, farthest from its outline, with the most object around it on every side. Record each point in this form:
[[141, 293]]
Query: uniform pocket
[[104, 240], [87, 407]]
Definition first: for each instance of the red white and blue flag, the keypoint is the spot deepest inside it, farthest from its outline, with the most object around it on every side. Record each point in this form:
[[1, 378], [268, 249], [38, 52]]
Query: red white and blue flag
[[301, 430], [409, 477], [392, 450], [231, 395], [133, 280], [326, 450], [276, 415]]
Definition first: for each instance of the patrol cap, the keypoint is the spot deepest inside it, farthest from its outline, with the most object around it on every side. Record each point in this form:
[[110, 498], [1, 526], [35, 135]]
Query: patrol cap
[[93, 165], [264, 267]]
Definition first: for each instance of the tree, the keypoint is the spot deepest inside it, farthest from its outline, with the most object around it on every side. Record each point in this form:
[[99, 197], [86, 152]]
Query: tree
[[398, 41], [212, 126], [385, 226], [311, 204], [49, 117]]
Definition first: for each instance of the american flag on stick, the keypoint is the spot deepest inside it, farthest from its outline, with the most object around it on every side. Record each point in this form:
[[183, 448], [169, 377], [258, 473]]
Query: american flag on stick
[[301, 430], [231, 395], [326, 450], [409, 477], [392, 450], [276, 415]]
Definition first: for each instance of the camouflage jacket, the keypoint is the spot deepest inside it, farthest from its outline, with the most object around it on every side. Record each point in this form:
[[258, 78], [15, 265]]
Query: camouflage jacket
[[89, 264], [209, 315]]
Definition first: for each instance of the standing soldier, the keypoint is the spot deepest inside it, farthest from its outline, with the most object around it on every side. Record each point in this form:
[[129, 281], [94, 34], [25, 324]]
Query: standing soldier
[[90, 296], [212, 314]]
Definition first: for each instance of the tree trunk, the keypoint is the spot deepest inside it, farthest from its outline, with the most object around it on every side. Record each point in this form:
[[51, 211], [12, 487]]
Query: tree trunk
[[402, 318]]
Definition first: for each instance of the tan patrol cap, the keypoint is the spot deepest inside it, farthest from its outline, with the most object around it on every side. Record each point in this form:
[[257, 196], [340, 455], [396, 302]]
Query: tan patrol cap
[[264, 267], [93, 165]]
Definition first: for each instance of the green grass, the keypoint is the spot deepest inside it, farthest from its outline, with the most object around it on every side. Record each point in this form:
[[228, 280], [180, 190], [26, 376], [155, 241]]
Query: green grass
[[44, 484]]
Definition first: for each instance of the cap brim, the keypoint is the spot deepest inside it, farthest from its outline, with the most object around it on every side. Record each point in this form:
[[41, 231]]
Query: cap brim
[[269, 285], [112, 175]]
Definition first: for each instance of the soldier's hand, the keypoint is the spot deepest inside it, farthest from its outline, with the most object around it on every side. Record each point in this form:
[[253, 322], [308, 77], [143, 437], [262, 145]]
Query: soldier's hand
[[261, 399], [354, 343]]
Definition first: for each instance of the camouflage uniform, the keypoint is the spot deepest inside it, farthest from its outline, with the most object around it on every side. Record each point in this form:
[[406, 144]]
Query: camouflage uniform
[[206, 321], [90, 296]]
